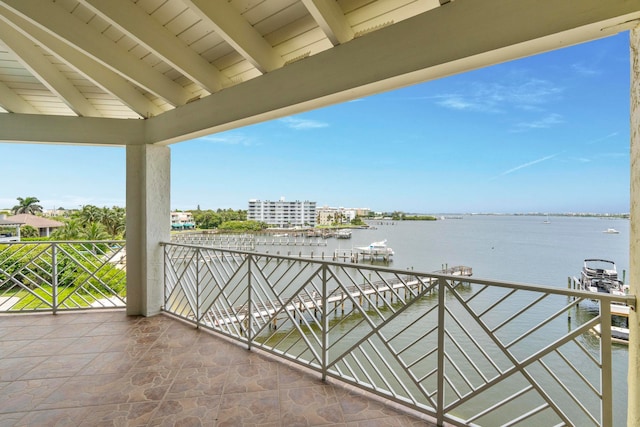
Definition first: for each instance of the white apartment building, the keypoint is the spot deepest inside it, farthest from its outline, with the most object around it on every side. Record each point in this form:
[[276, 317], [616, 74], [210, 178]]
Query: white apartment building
[[328, 215], [182, 221], [283, 214]]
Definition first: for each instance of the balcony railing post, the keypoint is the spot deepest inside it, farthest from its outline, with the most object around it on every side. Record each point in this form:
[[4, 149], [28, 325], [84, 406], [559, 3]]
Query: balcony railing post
[[249, 316], [325, 325], [441, 351], [198, 314], [54, 278], [606, 360], [164, 278]]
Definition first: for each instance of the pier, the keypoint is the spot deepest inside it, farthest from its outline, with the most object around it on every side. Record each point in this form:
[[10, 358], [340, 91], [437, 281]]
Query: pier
[[287, 241], [392, 289]]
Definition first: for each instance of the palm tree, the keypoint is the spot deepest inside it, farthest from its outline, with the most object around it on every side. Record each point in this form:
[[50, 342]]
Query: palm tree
[[89, 214], [95, 231], [70, 231], [28, 205], [113, 220]]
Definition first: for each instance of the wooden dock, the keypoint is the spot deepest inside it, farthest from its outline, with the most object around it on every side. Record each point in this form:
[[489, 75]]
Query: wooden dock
[[311, 303]]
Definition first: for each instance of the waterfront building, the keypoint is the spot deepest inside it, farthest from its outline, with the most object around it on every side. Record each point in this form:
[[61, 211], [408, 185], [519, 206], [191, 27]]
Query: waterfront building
[[283, 214], [182, 221], [329, 215]]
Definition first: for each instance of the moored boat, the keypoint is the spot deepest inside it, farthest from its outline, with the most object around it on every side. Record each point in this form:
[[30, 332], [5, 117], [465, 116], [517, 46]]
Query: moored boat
[[611, 231], [343, 234], [600, 275], [376, 249]]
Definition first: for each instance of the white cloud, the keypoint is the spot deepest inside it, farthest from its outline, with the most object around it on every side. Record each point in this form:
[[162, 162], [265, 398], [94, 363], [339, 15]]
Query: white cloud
[[585, 70], [303, 124], [604, 138], [228, 139], [499, 97], [525, 165], [543, 123]]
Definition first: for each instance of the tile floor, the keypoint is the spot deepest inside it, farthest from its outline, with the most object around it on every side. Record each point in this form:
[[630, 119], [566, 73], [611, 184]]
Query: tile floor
[[109, 369]]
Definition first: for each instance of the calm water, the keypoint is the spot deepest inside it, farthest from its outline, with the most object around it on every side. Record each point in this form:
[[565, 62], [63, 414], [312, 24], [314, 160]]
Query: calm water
[[511, 248]]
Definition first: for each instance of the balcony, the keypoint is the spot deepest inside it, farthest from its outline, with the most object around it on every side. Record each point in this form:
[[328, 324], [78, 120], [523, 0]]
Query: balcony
[[329, 343]]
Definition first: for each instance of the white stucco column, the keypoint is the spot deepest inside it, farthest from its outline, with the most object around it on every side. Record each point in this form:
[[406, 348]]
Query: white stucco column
[[633, 417], [148, 224]]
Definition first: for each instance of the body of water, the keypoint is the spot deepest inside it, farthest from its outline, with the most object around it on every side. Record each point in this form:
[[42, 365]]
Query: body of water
[[521, 249]]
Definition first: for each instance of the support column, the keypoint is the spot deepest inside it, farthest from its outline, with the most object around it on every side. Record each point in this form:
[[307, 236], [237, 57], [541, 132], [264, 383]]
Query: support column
[[148, 224], [633, 415]]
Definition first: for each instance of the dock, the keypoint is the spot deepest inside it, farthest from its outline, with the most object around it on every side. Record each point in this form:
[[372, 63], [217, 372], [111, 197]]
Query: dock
[[312, 303]]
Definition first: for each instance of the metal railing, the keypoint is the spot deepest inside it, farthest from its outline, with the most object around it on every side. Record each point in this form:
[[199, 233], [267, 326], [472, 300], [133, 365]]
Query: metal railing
[[70, 275], [465, 351]]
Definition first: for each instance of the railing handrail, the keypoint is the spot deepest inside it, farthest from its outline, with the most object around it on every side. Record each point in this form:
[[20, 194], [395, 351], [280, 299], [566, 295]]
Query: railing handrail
[[577, 293]]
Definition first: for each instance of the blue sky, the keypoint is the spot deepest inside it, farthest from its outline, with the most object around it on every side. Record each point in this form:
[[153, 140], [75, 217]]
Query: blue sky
[[548, 133]]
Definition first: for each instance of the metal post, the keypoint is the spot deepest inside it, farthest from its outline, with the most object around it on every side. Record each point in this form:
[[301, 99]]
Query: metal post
[[605, 358], [249, 322], [198, 314], [325, 325], [441, 354], [164, 277], [54, 278]]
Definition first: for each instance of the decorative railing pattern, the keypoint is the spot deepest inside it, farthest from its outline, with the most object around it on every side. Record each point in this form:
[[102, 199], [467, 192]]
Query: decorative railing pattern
[[466, 351], [52, 276]]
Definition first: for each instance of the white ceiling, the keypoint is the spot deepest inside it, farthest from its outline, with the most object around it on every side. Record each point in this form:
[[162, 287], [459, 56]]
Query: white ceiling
[[78, 71]]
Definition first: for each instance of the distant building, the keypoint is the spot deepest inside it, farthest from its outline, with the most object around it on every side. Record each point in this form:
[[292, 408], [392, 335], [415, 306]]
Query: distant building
[[9, 230], [283, 214], [182, 221], [328, 215], [44, 226]]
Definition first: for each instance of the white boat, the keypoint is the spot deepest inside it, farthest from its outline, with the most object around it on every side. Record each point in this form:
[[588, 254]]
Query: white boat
[[611, 231], [376, 249], [600, 275], [343, 234], [619, 334]]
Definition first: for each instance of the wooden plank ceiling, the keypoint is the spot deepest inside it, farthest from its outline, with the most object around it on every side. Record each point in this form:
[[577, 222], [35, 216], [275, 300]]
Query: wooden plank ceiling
[[137, 59]]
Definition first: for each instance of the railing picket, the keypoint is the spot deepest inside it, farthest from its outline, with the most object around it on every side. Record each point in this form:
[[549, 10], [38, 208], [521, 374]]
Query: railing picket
[[441, 350], [605, 358], [54, 278]]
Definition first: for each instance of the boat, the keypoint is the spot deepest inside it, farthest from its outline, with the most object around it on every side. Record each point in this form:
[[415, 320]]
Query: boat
[[546, 221], [343, 234], [611, 231], [600, 275], [619, 334], [376, 250]]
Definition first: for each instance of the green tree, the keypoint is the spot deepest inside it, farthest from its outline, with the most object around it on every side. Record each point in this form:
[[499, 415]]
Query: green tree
[[95, 231], [28, 231], [69, 231], [89, 214], [114, 220], [357, 221], [28, 205]]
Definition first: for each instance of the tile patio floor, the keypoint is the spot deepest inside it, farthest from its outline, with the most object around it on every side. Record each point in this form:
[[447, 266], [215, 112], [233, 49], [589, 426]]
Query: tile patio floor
[[110, 369]]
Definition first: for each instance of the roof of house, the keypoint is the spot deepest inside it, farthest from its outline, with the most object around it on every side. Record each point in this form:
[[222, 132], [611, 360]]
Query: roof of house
[[34, 221], [6, 222]]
